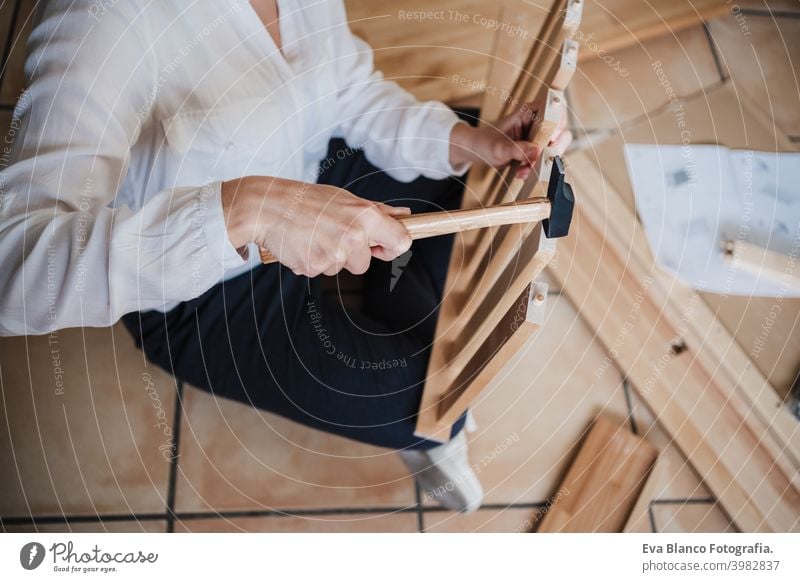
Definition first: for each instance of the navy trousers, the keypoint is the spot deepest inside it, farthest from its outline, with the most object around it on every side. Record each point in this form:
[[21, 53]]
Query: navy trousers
[[277, 341]]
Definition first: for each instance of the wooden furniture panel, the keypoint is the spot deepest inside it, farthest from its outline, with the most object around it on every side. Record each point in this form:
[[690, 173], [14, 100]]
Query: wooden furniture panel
[[476, 330]]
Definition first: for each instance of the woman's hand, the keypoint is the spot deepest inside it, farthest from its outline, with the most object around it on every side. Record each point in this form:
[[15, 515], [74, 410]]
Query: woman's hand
[[504, 142], [311, 228]]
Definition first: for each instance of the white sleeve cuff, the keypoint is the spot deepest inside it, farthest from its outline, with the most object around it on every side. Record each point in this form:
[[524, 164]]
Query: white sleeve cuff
[[440, 124], [216, 233]]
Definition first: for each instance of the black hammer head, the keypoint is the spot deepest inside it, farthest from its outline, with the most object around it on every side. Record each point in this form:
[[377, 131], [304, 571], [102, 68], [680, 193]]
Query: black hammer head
[[562, 202]]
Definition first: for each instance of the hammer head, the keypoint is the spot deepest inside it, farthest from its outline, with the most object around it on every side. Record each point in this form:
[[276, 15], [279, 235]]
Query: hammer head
[[562, 202]]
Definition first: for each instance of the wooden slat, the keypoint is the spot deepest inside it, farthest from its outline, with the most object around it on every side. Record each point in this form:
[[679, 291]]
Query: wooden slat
[[453, 351], [518, 325], [551, 109], [603, 484], [745, 452], [549, 106], [565, 17], [489, 255]]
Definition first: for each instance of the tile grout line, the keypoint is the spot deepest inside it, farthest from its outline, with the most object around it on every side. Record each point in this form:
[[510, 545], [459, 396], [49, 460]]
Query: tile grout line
[[684, 501], [629, 403], [715, 53], [173, 466], [652, 517], [12, 25], [117, 517]]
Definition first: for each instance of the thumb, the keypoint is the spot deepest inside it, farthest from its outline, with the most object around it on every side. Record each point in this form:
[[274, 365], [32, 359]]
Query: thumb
[[390, 235]]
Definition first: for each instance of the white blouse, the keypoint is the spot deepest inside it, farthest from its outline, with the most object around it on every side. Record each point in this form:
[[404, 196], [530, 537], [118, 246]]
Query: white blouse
[[137, 110]]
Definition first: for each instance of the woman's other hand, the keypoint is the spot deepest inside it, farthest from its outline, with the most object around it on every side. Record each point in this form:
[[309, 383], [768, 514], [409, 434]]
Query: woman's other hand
[[504, 142]]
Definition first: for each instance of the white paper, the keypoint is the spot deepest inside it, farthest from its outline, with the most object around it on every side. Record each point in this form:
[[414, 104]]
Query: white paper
[[691, 198]]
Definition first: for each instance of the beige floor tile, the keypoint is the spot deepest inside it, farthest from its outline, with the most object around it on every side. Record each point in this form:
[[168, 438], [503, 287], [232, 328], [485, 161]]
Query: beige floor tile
[[79, 425], [690, 517], [14, 74], [531, 422], [127, 526], [235, 457], [762, 63], [405, 522], [511, 520], [623, 86], [677, 478]]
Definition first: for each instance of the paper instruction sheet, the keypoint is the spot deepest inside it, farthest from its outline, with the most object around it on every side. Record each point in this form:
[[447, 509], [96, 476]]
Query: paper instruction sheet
[[690, 198]]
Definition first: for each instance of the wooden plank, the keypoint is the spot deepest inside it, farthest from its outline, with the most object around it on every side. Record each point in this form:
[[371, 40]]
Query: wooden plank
[[603, 484], [490, 184], [744, 452], [639, 518], [780, 269], [489, 255], [550, 107], [518, 325], [546, 53], [727, 117], [506, 63], [742, 386]]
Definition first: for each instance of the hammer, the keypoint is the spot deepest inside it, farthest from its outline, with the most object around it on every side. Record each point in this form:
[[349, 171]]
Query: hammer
[[555, 212]]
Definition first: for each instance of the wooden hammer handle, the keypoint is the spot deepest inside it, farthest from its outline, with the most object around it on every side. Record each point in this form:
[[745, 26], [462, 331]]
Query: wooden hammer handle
[[430, 224]]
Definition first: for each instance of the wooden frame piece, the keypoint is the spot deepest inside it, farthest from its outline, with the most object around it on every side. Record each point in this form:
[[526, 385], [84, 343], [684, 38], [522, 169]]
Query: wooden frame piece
[[517, 326], [476, 332]]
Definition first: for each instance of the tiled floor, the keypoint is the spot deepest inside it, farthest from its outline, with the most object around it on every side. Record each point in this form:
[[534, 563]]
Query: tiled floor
[[98, 456]]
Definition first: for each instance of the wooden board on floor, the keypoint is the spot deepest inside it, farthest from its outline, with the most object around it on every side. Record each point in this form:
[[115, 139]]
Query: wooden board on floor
[[603, 484], [731, 427], [725, 116]]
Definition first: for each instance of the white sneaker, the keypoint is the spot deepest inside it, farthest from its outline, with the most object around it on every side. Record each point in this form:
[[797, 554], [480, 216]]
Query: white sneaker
[[445, 475]]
